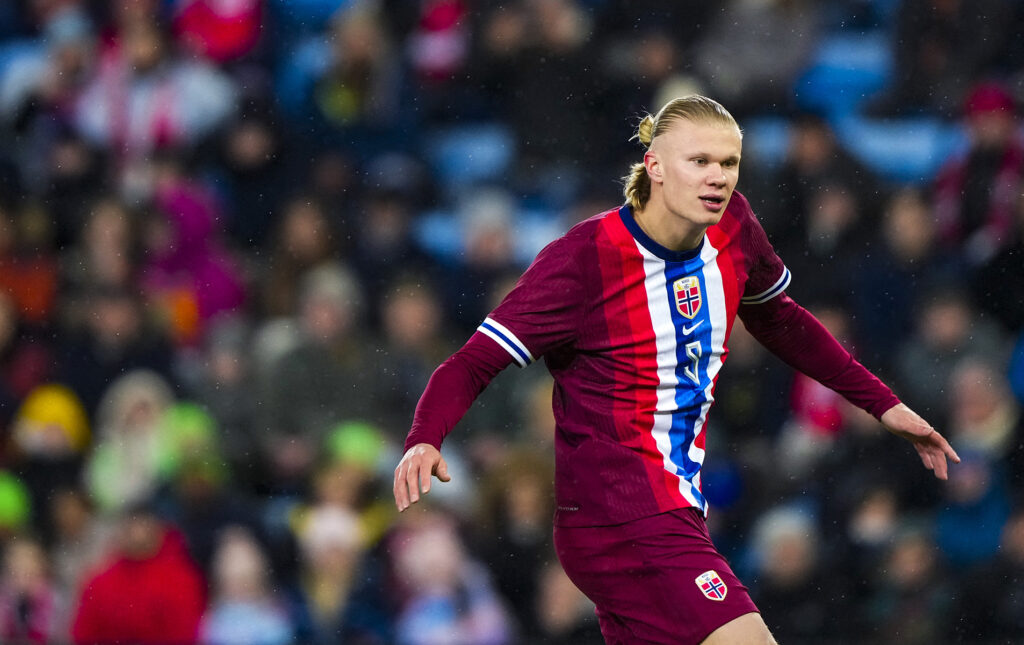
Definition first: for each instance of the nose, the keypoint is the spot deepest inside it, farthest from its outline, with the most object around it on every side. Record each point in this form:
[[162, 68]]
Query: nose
[[716, 175]]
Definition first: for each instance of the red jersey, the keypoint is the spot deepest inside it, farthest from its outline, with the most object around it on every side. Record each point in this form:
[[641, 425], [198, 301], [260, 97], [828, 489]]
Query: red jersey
[[635, 336]]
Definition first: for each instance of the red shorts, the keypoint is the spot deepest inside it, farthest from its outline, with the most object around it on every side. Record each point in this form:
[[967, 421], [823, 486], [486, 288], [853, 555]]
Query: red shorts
[[658, 579]]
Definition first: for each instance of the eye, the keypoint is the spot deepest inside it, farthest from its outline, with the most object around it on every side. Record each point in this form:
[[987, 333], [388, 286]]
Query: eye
[[730, 163], [700, 161]]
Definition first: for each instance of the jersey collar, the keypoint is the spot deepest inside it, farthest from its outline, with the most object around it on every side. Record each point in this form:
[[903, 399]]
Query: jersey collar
[[667, 254]]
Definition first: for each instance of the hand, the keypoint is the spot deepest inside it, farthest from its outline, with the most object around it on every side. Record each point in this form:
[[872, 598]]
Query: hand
[[413, 473], [930, 445]]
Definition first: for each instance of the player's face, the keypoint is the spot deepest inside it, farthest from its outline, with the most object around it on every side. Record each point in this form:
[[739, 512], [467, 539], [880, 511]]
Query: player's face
[[697, 166]]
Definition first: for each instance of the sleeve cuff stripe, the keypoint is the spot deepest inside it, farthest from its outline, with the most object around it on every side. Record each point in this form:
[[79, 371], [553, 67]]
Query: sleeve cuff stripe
[[507, 340], [779, 286]]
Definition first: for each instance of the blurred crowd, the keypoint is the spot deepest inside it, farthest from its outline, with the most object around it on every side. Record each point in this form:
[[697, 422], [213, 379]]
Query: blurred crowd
[[237, 236]]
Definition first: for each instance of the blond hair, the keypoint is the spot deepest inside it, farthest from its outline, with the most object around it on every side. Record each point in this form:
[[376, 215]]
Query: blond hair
[[694, 108]]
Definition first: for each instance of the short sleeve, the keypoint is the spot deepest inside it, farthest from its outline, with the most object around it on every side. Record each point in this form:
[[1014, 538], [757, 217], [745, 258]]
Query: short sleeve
[[542, 312], [768, 275]]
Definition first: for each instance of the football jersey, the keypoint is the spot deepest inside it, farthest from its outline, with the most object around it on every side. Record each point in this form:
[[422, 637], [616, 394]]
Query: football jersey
[[635, 336]]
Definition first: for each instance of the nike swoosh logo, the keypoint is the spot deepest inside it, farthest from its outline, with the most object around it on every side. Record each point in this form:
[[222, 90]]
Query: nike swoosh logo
[[689, 330]]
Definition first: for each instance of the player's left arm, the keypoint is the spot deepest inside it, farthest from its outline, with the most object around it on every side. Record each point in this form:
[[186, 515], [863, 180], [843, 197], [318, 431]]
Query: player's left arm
[[793, 334]]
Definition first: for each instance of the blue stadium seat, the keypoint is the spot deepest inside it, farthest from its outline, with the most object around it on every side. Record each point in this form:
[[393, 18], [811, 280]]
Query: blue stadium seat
[[905, 150], [847, 69], [472, 154]]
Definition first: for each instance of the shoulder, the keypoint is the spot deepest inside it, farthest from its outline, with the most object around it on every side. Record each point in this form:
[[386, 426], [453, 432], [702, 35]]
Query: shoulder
[[739, 220], [740, 209], [578, 240], [590, 229]]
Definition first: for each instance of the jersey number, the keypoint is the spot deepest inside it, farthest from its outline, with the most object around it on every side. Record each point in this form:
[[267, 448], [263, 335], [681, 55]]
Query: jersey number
[[693, 352]]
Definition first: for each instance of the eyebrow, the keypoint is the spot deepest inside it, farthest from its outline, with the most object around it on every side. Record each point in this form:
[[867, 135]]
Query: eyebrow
[[706, 155]]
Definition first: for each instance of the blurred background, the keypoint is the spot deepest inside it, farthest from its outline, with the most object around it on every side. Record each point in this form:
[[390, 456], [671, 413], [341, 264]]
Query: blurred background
[[237, 236]]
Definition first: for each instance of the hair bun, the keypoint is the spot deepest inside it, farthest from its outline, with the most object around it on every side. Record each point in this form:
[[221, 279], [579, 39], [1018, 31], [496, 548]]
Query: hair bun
[[645, 130]]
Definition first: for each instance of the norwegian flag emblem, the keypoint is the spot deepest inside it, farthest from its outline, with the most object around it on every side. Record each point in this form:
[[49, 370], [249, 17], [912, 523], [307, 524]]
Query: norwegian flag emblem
[[688, 299], [711, 585]]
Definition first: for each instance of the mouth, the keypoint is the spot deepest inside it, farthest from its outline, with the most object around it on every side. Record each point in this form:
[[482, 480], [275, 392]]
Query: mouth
[[713, 202]]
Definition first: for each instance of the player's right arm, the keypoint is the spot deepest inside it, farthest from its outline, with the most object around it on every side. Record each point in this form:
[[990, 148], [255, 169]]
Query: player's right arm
[[540, 313], [451, 390]]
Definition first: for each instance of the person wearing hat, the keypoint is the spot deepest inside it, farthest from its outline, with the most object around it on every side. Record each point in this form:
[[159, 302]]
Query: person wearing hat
[[977, 192]]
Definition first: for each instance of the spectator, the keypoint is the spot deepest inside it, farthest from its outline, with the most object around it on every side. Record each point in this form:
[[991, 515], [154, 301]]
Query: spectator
[[817, 415], [815, 159], [751, 74], [331, 544], [188, 277], [118, 336], [149, 593], [221, 383], [911, 600], [793, 585], [32, 611], [124, 467], [517, 501], [326, 379], [142, 97], [80, 542], [38, 91], [194, 494], [220, 32], [977, 192], [356, 101], [50, 434], [386, 248], [245, 609], [529, 58], [255, 171], [871, 526], [304, 238], [986, 418], [977, 495], [449, 598], [908, 261], [105, 254], [946, 328], [414, 344]]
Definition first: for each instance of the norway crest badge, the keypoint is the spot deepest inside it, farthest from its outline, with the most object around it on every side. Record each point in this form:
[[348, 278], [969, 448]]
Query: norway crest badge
[[711, 585], [688, 298]]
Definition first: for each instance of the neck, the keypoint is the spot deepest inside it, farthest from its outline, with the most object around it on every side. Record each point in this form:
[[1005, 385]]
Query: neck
[[673, 233]]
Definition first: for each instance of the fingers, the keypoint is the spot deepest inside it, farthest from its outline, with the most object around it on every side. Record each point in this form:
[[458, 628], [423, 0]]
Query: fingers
[[442, 471], [926, 458], [946, 448], [407, 483], [942, 451], [424, 482], [940, 466], [412, 476]]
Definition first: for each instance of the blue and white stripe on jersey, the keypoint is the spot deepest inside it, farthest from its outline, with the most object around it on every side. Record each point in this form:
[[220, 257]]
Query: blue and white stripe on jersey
[[507, 340], [766, 295]]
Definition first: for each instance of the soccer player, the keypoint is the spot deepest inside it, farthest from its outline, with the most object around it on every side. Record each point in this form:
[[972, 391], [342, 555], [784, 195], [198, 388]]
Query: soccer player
[[632, 311]]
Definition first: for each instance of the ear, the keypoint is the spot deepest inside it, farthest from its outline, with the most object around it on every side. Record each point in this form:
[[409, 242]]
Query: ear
[[653, 166]]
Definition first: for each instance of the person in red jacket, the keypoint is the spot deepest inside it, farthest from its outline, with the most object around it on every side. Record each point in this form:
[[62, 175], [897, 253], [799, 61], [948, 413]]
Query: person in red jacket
[[149, 593]]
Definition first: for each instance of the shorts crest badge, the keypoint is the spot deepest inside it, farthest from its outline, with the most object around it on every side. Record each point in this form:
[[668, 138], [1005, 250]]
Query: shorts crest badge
[[688, 297], [711, 585]]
